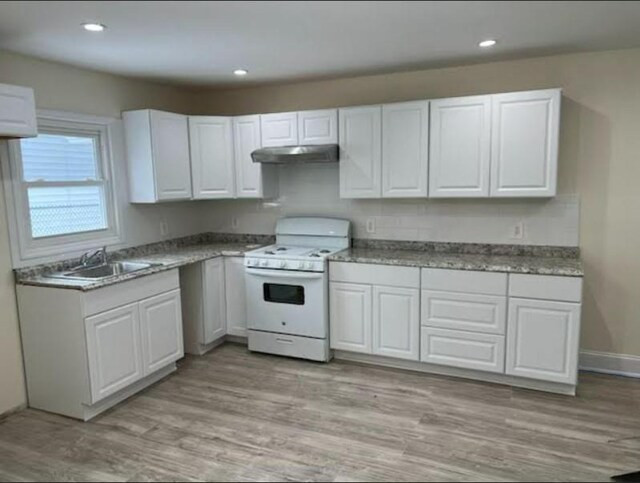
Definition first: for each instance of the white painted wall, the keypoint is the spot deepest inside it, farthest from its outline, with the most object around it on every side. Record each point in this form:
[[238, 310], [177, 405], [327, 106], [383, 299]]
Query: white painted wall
[[313, 190]]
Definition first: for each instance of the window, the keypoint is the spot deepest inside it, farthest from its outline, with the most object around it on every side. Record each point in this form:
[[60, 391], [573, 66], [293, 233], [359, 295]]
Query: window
[[62, 195]]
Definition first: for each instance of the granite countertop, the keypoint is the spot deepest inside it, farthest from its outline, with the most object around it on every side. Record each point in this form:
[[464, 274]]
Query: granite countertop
[[168, 259], [531, 264]]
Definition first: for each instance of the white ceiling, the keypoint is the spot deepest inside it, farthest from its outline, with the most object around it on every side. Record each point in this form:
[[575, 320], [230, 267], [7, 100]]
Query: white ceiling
[[201, 43]]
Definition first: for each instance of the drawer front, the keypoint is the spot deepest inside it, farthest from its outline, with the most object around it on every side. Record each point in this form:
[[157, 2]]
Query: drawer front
[[470, 312], [288, 345], [119, 294], [372, 274], [464, 281], [546, 287], [481, 352]]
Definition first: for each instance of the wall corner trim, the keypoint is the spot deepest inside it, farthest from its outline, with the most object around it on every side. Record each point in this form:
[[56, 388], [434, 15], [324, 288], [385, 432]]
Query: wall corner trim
[[607, 363]]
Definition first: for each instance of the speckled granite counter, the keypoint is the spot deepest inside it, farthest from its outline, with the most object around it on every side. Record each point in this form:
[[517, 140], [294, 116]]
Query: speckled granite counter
[[164, 256], [533, 264]]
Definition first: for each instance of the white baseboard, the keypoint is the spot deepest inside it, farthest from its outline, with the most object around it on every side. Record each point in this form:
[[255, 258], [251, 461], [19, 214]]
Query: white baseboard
[[607, 363]]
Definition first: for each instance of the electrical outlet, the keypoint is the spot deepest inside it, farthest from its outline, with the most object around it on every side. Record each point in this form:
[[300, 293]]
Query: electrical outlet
[[235, 222], [517, 231], [164, 228], [371, 225]]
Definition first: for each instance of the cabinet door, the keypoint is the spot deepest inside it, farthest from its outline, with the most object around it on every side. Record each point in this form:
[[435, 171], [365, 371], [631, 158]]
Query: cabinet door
[[161, 330], [524, 144], [396, 322], [350, 317], [172, 166], [236, 296], [279, 129], [246, 138], [360, 136], [405, 149], [542, 340], [318, 127], [460, 149], [212, 166], [113, 350], [215, 307], [17, 112]]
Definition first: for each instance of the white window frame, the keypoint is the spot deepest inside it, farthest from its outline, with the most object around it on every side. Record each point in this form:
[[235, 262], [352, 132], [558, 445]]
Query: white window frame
[[24, 248]]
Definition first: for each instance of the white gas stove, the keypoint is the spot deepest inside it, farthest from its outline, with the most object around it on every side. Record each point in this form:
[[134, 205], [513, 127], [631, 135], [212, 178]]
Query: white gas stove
[[287, 287]]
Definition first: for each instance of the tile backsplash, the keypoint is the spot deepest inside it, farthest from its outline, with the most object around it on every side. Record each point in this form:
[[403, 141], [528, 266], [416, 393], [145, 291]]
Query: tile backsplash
[[314, 190]]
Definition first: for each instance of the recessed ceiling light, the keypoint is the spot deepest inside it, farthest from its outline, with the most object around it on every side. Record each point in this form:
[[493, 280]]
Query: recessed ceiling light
[[240, 72], [94, 27], [487, 43]]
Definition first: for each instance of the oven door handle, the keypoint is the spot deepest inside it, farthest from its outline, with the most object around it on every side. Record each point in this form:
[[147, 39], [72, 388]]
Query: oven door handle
[[262, 272]]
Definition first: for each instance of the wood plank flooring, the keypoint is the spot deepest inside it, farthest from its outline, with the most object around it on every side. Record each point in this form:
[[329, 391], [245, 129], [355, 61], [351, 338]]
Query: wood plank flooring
[[236, 416]]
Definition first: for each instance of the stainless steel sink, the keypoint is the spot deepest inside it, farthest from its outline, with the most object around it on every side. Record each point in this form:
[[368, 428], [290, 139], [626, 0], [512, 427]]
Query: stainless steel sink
[[103, 271]]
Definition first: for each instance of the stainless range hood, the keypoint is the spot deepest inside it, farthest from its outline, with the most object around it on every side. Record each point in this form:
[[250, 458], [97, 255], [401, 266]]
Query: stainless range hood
[[322, 153]]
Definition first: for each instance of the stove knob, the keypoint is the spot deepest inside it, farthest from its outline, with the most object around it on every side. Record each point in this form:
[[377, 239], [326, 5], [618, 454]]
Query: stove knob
[[250, 262], [264, 263], [308, 266], [283, 264]]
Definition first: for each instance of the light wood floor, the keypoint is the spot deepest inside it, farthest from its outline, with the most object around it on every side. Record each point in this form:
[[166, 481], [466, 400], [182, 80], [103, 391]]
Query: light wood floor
[[232, 415]]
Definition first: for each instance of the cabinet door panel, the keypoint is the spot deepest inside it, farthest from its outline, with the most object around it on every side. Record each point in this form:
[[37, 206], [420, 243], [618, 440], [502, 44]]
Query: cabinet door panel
[[360, 137], [246, 140], [456, 348], [212, 163], [543, 339], [172, 165], [405, 149], [236, 298], [524, 152], [318, 127], [469, 312], [17, 112], [279, 129], [350, 317], [215, 310], [460, 147], [396, 322], [161, 330], [114, 350]]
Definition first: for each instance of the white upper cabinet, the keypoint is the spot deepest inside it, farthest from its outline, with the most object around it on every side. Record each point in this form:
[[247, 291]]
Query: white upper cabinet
[[460, 149], [524, 143], [360, 135], [318, 127], [280, 129], [212, 161], [405, 149], [158, 156], [17, 112]]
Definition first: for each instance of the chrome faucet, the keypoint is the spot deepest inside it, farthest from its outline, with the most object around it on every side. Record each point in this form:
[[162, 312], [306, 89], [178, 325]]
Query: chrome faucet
[[90, 259]]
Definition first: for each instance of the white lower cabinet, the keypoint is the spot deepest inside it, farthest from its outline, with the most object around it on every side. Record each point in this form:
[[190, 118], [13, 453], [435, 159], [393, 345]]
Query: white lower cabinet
[[114, 350], [370, 317], [236, 299], [161, 330], [457, 348], [350, 316], [543, 338], [396, 322]]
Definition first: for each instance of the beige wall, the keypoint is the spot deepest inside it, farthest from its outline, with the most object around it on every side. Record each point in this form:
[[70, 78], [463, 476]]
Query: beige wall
[[66, 88], [600, 145]]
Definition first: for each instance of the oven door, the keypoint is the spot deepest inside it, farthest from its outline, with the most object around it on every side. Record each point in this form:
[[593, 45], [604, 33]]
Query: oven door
[[287, 302]]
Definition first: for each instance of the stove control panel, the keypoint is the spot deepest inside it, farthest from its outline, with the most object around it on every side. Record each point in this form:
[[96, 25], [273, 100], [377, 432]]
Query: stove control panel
[[280, 264]]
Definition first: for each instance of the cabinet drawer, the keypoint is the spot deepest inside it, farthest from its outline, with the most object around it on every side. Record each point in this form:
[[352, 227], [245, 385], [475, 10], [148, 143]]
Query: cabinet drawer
[[372, 274], [119, 294], [546, 287], [465, 281], [470, 312], [482, 352]]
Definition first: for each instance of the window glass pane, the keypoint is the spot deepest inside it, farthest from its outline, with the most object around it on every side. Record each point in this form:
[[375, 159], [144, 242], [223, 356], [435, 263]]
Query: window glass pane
[[57, 157], [64, 210]]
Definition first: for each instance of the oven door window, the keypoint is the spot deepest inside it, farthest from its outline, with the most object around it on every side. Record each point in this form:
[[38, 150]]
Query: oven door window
[[283, 294]]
